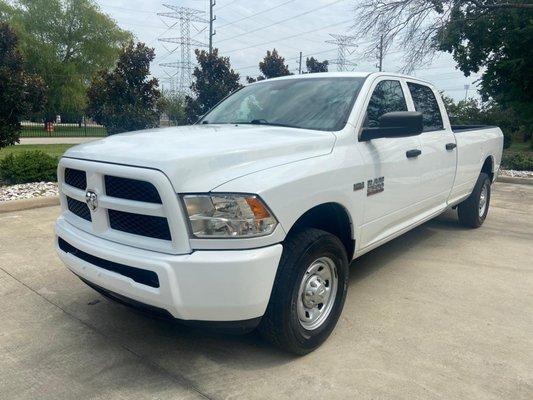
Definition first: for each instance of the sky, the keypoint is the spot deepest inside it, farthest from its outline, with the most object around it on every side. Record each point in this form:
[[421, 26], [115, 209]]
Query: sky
[[246, 29]]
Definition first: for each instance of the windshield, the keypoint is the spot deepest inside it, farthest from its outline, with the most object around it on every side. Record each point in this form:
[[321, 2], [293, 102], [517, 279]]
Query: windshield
[[313, 103]]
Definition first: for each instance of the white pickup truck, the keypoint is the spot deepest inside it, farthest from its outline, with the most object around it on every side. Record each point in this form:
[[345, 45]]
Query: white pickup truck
[[250, 218]]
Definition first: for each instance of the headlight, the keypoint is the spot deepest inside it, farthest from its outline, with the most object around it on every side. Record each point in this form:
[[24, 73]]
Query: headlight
[[228, 216]]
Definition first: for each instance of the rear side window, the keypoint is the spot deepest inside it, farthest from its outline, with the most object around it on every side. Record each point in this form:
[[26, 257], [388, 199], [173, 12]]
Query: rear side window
[[387, 97], [426, 103]]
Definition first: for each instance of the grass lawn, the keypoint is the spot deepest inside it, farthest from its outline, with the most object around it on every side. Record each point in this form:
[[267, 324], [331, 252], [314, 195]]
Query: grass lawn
[[55, 150]]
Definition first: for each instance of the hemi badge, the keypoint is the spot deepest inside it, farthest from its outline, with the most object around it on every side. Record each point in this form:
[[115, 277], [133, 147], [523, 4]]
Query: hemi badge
[[358, 186]]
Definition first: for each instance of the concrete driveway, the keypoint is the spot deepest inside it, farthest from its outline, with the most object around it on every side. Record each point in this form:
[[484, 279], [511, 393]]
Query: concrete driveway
[[439, 313]]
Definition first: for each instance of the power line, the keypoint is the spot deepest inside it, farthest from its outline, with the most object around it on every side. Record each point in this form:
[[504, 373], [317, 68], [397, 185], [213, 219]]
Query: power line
[[256, 14], [227, 5], [291, 36], [290, 59], [283, 20]]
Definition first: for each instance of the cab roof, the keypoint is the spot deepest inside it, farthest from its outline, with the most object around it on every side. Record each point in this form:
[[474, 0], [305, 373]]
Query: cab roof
[[347, 75]]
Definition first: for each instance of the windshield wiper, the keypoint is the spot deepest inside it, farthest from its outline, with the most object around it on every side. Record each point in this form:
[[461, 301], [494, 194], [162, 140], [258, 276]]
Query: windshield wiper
[[265, 122]]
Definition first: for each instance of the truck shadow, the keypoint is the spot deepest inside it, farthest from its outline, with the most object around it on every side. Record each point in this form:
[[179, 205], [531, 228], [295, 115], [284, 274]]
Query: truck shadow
[[183, 350], [380, 257]]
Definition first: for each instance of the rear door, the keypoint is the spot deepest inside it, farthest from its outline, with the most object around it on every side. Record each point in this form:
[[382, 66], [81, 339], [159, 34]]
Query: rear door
[[392, 179], [439, 150]]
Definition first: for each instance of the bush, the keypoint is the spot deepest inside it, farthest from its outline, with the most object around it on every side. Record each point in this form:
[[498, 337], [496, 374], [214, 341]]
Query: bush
[[507, 140], [517, 161], [28, 166]]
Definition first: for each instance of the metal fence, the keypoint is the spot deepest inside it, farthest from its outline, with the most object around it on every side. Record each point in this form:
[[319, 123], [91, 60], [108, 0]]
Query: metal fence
[[49, 129]]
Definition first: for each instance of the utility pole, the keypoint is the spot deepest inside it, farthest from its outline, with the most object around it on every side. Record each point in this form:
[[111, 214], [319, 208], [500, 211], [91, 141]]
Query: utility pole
[[466, 91], [212, 18], [381, 53], [300, 65]]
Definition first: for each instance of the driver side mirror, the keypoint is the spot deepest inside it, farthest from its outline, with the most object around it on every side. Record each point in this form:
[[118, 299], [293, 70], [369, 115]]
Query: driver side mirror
[[395, 124]]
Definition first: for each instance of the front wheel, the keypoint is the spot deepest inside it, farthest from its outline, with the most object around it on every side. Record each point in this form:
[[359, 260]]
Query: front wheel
[[473, 211], [308, 293]]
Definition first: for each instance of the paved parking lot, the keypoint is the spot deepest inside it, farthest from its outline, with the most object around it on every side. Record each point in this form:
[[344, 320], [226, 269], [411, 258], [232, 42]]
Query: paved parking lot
[[439, 313]]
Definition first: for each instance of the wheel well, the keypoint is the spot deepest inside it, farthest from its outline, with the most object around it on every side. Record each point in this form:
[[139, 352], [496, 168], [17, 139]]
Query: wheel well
[[332, 218], [488, 167]]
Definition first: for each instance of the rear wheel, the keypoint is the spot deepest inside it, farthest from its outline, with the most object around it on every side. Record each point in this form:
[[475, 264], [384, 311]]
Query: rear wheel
[[473, 211], [309, 292]]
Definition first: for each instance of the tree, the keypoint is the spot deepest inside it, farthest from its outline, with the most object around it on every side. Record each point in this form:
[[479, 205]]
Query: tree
[[125, 99], [491, 36], [65, 42], [251, 79], [474, 112], [214, 79], [273, 65], [174, 106], [313, 65], [497, 42], [20, 93]]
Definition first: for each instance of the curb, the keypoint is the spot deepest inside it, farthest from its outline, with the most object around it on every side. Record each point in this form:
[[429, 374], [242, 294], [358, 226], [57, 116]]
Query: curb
[[28, 204], [511, 179]]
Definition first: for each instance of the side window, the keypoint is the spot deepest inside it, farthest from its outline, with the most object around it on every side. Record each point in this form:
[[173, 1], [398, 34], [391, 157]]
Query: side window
[[387, 97], [426, 103]]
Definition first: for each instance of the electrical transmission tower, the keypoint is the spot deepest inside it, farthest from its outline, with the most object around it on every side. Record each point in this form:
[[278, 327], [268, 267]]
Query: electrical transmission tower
[[344, 43], [181, 70]]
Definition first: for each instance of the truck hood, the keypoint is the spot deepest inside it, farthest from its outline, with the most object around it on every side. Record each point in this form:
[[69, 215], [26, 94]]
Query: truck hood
[[199, 158]]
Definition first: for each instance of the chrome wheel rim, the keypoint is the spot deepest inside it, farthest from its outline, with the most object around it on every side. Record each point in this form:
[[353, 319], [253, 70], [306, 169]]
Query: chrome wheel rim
[[317, 293], [483, 200]]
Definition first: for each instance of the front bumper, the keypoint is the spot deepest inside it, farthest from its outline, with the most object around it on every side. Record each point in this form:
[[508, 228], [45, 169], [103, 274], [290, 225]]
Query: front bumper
[[223, 285]]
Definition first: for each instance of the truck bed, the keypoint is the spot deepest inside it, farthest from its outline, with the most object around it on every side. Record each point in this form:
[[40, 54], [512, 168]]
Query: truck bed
[[465, 128]]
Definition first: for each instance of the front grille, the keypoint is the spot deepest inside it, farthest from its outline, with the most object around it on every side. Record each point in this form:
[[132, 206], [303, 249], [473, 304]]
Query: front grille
[[76, 178], [142, 276], [132, 204], [131, 189], [137, 224], [79, 208]]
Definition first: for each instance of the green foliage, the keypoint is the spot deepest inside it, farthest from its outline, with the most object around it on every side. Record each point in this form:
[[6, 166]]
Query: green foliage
[[174, 106], [517, 161], [20, 93], [491, 37], [313, 65], [28, 166], [125, 99], [65, 42], [273, 65], [498, 41], [214, 80], [472, 112]]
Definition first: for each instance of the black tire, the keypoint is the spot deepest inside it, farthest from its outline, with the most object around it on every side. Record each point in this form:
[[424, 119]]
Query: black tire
[[281, 325], [469, 210]]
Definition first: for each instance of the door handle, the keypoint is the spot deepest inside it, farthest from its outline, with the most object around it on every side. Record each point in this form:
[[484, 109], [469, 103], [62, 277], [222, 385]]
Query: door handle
[[413, 153], [450, 146]]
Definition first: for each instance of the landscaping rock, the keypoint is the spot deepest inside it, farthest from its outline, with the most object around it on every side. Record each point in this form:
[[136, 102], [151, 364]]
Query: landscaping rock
[[28, 191], [516, 174]]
